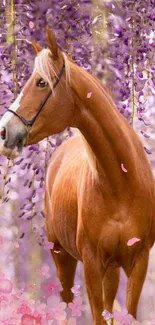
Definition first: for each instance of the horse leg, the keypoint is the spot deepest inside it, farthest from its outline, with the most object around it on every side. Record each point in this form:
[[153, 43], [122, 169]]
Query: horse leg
[[66, 266], [110, 286], [136, 276], [93, 279]]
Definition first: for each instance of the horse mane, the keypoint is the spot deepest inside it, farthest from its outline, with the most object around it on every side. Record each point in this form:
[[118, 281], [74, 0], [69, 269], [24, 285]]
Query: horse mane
[[46, 71], [89, 152]]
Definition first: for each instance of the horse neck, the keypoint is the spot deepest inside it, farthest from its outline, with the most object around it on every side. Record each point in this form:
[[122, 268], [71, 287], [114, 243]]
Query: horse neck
[[105, 130]]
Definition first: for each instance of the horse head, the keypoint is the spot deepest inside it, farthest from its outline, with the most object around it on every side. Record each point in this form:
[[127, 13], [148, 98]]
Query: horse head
[[44, 106]]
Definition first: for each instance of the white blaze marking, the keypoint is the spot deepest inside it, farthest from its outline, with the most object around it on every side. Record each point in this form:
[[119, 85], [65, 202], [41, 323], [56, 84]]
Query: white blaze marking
[[8, 115]]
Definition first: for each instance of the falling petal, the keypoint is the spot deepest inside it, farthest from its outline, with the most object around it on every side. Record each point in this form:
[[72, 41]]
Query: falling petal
[[31, 24], [96, 19], [57, 252], [50, 245], [123, 168], [16, 244], [132, 241], [89, 95]]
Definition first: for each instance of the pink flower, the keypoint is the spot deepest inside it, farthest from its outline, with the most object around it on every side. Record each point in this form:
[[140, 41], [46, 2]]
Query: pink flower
[[123, 317], [45, 271], [4, 300], [76, 306], [107, 315], [5, 285], [53, 287], [27, 320], [40, 312], [56, 308], [15, 296], [76, 290], [24, 307], [132, 241]]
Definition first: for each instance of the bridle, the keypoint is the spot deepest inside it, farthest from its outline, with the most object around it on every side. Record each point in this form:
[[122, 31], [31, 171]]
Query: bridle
[[31, 122]]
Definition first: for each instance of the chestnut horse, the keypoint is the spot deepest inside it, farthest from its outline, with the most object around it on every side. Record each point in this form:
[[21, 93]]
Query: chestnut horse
[[100, 190]]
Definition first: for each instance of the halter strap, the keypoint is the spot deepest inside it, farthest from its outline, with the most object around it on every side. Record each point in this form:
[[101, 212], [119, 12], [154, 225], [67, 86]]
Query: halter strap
[[31, 122]]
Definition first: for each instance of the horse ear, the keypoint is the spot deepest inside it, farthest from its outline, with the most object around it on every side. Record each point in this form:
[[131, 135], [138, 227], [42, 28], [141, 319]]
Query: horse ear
[[51, 42], [37, 48]]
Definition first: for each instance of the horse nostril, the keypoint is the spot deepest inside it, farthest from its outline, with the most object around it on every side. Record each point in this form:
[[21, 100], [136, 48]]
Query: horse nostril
[[3, 134]]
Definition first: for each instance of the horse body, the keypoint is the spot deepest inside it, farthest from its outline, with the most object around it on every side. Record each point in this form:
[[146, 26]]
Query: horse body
[[100, 190], [85, 216], [74, 199]]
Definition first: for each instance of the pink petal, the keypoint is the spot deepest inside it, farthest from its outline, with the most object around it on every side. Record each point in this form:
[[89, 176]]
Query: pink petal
[[57, 252], [31, 24], [132, 241], [50, 245], [89, 95], [123, 168], [16, 244], [6, 286]]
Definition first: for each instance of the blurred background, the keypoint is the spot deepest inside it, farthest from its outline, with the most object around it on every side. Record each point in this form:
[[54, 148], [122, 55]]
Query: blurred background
[[113, 40]]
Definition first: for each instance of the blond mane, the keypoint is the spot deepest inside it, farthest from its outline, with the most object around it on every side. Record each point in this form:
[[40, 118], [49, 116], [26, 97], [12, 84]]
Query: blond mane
[[46, 70]]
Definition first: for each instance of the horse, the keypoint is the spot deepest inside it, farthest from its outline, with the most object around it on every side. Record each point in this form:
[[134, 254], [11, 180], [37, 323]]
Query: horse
[[100, 191]]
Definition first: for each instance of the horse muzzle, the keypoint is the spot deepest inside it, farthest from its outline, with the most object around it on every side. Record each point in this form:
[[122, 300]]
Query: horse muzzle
[[12, 141]]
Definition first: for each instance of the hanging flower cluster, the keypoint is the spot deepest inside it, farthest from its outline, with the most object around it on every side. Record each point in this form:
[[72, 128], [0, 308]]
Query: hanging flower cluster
[[127, 52]]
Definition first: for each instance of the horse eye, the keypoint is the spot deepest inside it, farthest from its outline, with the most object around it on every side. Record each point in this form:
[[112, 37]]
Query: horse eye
[[41, 83]]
